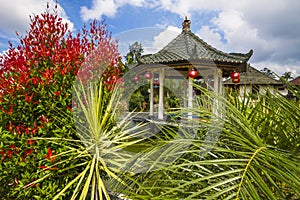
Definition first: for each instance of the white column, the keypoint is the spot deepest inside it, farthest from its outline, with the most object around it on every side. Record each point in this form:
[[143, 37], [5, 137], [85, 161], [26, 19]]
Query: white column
[[218, 91], [190, 98], [161, 94], [220, 81], [151, 97], [185, 96], [216, 81]]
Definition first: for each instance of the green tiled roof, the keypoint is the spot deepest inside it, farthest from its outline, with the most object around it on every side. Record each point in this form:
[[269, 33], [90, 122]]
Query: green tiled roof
[[254, 77], [187, 46]]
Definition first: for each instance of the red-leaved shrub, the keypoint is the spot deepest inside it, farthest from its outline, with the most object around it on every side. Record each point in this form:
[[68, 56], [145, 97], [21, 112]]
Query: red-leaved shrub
[[36, 81]]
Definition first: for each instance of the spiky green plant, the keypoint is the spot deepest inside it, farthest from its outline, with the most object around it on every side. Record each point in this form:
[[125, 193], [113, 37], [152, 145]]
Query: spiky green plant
[[105, 147]]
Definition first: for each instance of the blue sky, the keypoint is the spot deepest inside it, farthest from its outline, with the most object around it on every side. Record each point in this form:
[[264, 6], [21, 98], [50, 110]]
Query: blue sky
[[270, 28]]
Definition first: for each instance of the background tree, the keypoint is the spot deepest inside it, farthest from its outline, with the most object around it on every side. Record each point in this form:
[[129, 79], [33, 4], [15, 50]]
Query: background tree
[[268, 72], [287, 76], [135, 52]]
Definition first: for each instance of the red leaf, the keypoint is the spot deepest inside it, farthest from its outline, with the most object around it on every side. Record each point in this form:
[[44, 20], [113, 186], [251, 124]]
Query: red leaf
[[57, 93], [9, 112], [50, 155], [28, 98], [30, 142], [35, 80], [49, 152], [44, 119], [12, 146], [34, 130], [28, 152], [45, 168], [27, 130], [9, 153]]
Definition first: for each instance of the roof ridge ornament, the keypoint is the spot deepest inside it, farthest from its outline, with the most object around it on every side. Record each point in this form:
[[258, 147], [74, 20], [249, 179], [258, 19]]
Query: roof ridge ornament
[[186, 24]]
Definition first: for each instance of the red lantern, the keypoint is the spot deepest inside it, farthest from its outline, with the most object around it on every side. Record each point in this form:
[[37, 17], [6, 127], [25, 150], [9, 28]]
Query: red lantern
[[148, 75], [193, 73], [136, 78], [235, 77]]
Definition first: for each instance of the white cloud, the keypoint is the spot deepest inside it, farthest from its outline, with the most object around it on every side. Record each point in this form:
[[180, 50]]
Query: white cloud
[[14, 15], [238, 34], [152, 39], [279, 69], [105, 7], [271, 29], [211, 36], [230, 32], [99, 8], [187, 7], [164, 37], [130, 2]]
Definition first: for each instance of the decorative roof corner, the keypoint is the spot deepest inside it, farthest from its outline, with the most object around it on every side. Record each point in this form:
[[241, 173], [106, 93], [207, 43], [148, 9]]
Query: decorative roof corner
[[246, 55]]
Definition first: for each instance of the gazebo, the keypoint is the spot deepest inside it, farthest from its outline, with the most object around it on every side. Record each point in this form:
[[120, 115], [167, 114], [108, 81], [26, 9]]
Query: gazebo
[[183, 54]]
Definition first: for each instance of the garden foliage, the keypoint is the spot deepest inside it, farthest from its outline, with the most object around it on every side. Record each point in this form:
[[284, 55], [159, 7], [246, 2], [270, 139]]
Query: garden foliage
[[44, 154]]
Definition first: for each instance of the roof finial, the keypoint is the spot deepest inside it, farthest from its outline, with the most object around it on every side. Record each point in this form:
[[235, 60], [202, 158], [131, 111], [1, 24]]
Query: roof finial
[[186, 24]]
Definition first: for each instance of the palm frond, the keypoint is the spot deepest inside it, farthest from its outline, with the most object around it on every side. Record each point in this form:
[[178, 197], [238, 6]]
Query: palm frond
[[246, 162]]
